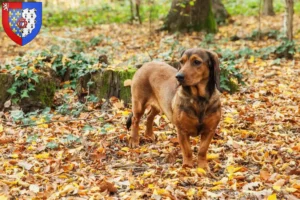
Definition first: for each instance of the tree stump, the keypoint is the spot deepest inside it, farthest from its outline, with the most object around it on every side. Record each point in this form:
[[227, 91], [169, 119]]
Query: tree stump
[[187, 15], [105, 84], [6, 81], [40, 98]]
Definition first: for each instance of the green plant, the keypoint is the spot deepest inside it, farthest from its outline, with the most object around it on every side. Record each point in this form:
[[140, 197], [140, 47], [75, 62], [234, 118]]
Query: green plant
[[25, 77], [231, 77]]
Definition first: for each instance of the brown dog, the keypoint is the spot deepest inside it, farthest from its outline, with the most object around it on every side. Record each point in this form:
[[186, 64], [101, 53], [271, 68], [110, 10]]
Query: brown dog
[[189, 98]]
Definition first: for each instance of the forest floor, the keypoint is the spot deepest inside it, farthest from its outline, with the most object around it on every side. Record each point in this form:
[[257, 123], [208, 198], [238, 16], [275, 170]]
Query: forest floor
[[255, 151]]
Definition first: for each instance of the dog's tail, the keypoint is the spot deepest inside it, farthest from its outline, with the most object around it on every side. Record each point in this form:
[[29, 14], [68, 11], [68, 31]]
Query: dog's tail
[[129, 121]]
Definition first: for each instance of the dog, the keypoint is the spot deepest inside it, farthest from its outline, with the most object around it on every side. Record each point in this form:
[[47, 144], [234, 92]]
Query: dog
[[190, 99]]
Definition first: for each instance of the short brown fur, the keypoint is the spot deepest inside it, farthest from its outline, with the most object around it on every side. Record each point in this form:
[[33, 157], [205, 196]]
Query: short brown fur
[[193, 105]]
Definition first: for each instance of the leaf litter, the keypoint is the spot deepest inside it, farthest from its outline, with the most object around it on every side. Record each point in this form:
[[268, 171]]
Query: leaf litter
[[254, 154]]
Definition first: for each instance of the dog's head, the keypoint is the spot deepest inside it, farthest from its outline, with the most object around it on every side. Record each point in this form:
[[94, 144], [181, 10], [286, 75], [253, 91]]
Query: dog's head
[[199, 66]]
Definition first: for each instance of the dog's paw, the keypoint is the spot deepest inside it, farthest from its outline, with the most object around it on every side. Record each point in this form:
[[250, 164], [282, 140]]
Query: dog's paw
[[185, 165], [133, 143], [203, 164], [188, 164], [150, 137]]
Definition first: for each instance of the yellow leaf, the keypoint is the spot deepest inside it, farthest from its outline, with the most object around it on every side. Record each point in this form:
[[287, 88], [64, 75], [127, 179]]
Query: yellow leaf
[[59, 155], [14, 155], [67, 82], [125, 113], [272, 197], [191, 192], [63, 176], [30, 148], [251, 59], [231, 169], [131, 186], [18, 68], [276, 188], [40, 57], [42, 156], [150, 186], [199, 193], [127, 82], [125, 149], [212, 156], [162, 191], [41, 125], [1, 128], [2, 197], [95, 189], [280, 182], [200, 171], [148, 173], [291, 190], [217, 187], [229, 120]]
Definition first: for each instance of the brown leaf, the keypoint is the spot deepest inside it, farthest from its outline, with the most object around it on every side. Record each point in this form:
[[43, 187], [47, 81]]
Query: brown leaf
[[174, 140], [105, 185], [264, 175], [295, 171], [5, 140]]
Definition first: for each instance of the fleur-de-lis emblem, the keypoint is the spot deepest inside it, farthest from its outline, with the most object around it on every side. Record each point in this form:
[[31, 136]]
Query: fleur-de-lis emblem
[[5, 6], [18, 14]]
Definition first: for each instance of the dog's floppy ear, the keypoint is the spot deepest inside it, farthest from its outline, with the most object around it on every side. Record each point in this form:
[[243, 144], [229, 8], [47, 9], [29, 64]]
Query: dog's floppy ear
[[214, 67]]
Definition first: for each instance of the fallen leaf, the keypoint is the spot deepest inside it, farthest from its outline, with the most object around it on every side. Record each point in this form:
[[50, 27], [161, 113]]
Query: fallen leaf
[[42, 156], [127, 82], [272, 197], [34, 188], [107, 186]]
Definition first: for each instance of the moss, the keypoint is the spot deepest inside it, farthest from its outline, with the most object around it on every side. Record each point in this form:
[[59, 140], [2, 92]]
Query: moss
[[45, 92], [6, 81], [125, 92], [209, 24], [111, 83], [101, 84]]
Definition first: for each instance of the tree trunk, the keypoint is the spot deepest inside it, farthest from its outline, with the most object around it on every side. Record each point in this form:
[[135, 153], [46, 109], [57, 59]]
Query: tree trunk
[[219, 11], [191, 15], [288, 19], [268, 8]]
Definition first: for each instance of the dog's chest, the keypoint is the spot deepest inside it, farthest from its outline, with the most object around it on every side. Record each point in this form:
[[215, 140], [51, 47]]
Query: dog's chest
[[188, 114]]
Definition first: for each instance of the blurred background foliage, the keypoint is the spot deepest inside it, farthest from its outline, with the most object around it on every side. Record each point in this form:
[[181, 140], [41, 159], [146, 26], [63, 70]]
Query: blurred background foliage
[[92, 12]]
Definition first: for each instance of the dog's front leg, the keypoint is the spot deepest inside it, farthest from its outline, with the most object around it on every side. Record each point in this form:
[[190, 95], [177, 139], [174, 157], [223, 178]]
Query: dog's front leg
[[184, 141], [206, 137], [210, 124], [134, 138]]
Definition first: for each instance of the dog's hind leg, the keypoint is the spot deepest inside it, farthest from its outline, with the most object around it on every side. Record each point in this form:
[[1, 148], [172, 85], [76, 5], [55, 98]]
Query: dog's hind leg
[[138, 109], [149, 125]]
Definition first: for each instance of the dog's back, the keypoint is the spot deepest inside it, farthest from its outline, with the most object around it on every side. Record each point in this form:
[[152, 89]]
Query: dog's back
[[155, 84]]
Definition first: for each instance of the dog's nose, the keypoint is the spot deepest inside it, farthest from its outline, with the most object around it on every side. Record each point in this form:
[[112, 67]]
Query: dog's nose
[[180, 76]]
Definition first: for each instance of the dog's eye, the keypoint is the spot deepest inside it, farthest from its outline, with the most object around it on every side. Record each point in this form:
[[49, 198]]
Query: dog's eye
[[197, 62], [181, 62]]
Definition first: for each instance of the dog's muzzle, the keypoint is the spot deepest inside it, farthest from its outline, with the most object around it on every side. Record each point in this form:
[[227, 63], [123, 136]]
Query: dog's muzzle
[[180, 77]]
